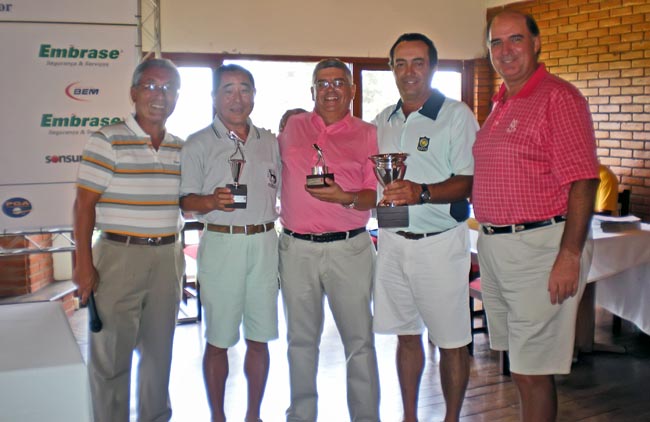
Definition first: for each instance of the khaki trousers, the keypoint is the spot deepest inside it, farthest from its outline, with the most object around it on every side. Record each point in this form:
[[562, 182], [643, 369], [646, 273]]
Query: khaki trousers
[[343, 271], [137, 300]]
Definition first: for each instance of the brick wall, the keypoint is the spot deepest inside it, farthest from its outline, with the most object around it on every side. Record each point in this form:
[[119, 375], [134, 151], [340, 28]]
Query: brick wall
[[23, 274], [603, 48]]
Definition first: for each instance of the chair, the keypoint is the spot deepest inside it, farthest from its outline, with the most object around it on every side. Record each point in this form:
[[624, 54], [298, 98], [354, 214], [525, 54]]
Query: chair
[[624, 198], [475, 294], [624, 202], [191, 289]]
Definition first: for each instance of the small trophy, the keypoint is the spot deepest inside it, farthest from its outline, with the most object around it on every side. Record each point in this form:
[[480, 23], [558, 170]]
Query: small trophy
[[237, 162], [319, 172], [389, 168]]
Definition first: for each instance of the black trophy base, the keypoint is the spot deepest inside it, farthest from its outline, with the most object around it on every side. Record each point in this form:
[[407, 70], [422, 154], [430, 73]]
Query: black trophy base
[[391, 217], [318, 180], [240, 193]]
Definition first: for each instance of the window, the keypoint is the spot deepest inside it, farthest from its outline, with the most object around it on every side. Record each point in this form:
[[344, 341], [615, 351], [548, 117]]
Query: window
[[281, 86], [283, 83], [194, 106]]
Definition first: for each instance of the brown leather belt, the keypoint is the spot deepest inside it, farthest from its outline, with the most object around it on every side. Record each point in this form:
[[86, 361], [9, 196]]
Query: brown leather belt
[[136, 240], [247, 229]]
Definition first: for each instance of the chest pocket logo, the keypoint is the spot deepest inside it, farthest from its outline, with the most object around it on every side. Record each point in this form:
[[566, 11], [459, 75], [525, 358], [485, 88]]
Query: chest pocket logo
[[423, 143], [513, 126], [273, 179]]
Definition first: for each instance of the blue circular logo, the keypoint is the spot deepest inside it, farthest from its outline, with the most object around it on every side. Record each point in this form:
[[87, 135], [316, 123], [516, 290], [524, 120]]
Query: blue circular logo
[[16, 207]]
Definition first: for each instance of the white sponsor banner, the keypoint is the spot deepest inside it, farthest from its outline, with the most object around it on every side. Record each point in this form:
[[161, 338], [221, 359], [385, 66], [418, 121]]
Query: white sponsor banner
[[59, 83], [85, 11], [33, 207]]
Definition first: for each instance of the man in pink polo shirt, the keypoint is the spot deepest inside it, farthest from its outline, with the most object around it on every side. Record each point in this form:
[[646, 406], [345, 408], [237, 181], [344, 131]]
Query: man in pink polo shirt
[[325, 248], [535, 179]]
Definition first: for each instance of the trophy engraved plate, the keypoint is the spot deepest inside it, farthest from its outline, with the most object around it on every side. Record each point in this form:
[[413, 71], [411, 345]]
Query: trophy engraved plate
[[237, 161], [319, 172], [389, 168]]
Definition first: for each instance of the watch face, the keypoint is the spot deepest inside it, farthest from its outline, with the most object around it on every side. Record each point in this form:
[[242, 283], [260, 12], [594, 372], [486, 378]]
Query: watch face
[[425, 195]]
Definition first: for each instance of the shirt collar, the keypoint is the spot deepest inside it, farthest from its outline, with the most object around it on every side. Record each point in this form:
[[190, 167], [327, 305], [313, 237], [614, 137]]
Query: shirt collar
[[135, 127], [529, 87], [132, 124], [430, 108], [318, 121], [221, 132]]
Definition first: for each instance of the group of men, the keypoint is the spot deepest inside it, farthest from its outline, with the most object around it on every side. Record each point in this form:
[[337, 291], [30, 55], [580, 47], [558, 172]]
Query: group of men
[[531, 172]]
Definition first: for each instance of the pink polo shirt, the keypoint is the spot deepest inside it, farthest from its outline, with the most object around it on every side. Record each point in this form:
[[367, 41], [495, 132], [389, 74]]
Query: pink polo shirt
[[346, 146], [529, 151]]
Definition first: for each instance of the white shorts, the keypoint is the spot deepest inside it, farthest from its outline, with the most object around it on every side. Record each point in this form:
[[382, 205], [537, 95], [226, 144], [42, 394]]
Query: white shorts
[[515, 268], [424, 283]]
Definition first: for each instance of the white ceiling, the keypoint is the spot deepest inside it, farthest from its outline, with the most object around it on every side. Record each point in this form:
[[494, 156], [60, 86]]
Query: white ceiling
[[494, 3]]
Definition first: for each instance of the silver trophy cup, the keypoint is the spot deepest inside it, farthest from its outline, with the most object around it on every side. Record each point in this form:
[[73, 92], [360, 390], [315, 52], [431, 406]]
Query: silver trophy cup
[[237, 161], [319, 172], [389, 168]]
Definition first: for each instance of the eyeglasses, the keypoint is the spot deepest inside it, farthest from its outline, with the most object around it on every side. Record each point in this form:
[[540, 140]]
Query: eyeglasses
[[167, 89], [336, 83]]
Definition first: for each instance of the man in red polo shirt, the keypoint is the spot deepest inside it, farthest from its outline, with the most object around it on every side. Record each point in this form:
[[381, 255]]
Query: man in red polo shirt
[[535, 181]]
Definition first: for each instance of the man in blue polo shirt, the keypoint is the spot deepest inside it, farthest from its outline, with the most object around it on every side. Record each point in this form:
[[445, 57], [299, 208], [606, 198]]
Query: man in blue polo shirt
[[421, 279]]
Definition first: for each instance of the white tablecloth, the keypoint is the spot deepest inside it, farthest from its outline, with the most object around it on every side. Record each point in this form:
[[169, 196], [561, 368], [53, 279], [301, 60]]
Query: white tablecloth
[[621, 266], [42, 373]]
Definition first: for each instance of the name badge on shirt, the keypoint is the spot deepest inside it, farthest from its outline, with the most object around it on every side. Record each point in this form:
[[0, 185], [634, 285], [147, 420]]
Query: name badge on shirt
[[423, 143]]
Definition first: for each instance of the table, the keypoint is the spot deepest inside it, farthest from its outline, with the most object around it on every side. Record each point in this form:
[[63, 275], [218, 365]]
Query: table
[[42, 374], [618, 281]]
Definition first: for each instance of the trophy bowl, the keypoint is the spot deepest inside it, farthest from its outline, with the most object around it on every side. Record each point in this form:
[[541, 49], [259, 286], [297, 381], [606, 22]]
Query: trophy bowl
[[389, 168]]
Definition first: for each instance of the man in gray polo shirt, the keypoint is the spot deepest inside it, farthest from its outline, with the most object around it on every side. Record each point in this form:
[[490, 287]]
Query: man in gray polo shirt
[[238, 257]]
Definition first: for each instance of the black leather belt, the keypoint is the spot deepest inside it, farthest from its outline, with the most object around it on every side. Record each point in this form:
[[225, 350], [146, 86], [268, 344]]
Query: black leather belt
[[326, 237], [247, 229], [136, 240], [516, 228], [416, 236]]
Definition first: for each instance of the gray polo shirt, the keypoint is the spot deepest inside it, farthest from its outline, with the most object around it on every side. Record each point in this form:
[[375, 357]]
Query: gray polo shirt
[[205, 166]]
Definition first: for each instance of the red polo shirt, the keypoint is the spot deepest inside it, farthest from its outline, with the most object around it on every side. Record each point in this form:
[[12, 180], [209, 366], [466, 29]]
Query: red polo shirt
[[529, 151]]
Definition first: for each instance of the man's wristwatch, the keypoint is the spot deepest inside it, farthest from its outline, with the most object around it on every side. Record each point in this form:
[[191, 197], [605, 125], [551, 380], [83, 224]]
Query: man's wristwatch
[[425, 196], [352, 205]]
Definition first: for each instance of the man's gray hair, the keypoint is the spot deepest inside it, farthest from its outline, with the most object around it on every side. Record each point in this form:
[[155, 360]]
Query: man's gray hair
[[331, 62], [155, 63]]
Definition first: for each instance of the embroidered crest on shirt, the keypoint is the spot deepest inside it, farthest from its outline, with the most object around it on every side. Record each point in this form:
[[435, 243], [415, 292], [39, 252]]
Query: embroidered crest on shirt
[[423, 143], [273, 179], [513, 126]]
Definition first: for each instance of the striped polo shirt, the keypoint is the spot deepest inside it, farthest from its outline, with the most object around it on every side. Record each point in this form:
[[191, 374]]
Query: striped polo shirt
[[139, 186]]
